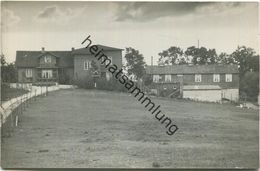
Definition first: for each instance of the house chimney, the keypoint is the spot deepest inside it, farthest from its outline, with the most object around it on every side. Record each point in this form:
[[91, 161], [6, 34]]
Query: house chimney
[[43, 50], [72, 49]]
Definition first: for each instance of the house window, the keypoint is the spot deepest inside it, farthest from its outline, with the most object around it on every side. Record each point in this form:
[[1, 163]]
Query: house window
[[228, 77], [156, 78], [160, 78], [216, 78], [87, 65], [47, 59], [28, 73], [197, 77], [168, 78], [47, 74]]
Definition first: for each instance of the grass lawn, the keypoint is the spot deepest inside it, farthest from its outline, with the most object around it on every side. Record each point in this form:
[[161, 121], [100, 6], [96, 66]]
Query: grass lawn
[[80, 128], [9, 93]]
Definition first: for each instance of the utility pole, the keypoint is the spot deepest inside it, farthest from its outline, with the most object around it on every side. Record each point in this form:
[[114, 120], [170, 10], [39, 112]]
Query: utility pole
[[198, 43], [151, 60]]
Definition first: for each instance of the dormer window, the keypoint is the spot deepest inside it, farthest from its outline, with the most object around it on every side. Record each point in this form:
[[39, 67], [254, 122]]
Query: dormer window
[[47, 59]]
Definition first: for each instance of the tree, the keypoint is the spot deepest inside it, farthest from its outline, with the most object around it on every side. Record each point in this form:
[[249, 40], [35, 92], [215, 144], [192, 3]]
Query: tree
[[248, 63], [173, 55], [224, 58], [249, 84], [202, 55], [3, 61], [135, 63], [8, 71], [246, 59]]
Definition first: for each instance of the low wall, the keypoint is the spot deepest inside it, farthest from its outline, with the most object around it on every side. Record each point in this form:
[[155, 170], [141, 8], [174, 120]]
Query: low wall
[[203, 95], [231, 94]]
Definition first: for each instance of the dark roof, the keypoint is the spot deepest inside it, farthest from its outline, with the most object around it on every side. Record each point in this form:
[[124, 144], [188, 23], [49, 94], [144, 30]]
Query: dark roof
[[192, 69], [86, 50], [30, 58]]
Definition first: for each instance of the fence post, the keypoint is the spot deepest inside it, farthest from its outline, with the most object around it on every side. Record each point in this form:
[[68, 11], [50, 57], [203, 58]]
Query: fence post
[[12, 124], [30, 96], [16, 120], [25, 101], [41, 90], [22, 104], [1, 117], [21, 107], [35, 95], [17, 103]]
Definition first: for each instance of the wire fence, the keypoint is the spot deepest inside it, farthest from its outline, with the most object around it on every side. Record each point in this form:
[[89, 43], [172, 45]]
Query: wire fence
[[12, 110]]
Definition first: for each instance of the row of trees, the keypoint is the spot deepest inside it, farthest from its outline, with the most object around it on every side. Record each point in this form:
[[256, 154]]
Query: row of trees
[[245, 57]]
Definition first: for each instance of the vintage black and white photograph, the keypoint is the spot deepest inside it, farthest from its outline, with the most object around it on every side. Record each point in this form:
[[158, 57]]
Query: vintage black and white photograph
[[109, 84]]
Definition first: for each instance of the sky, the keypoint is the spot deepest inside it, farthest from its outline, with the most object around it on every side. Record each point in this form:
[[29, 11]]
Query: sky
[[149, 27]]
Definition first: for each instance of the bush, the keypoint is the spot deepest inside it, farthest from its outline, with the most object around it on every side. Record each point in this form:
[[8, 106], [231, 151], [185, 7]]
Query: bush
[[9, 73], [110, 85], [87, 83], [101, 84]]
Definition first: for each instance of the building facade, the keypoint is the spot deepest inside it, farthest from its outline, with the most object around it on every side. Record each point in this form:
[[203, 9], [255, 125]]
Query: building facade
[[62, 67], [200, 82]]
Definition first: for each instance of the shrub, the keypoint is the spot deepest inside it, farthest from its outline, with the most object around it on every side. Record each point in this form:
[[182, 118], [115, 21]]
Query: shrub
[[110, 85], [101, 84], [87, 83]]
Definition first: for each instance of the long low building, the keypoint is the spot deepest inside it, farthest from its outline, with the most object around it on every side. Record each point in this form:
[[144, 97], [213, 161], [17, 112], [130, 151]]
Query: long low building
[[200, 82]]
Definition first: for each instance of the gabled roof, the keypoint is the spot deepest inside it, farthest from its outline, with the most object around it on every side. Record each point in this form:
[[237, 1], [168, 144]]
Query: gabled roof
[[50, 53], [30, 58], [193, 69], [81, 51]]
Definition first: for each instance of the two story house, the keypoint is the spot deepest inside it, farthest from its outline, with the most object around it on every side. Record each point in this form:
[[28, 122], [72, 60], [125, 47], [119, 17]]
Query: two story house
[[83, 60], [199, 82], [48, 67]]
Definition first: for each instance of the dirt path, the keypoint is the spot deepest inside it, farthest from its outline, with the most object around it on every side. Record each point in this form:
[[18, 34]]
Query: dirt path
[[79, 128]]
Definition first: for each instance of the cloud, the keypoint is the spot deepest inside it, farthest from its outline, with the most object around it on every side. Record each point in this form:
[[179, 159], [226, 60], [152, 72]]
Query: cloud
[[57, 14], [146, 11], [48, 12], [9, 18]]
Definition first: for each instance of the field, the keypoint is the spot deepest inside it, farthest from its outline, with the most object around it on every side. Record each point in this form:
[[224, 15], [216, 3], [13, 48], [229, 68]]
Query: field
[[81, 128]]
